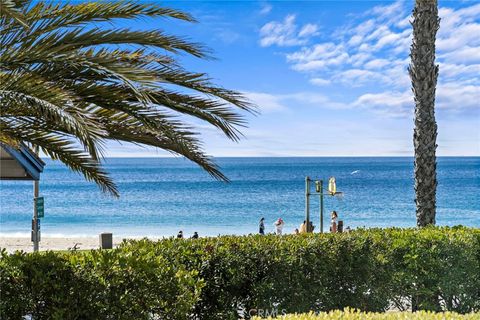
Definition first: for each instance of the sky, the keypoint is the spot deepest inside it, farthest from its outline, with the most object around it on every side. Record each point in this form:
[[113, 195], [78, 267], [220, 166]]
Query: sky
[[330, 77]]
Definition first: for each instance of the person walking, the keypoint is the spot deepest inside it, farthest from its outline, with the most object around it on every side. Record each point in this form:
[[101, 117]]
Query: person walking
[[279, 224], [261, 226]]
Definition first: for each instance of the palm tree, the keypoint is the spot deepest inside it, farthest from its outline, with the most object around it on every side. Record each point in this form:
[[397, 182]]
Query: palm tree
[[68, 85], [424, 73]]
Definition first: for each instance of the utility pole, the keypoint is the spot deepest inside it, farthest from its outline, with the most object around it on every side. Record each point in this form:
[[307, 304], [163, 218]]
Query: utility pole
[[35, 233]]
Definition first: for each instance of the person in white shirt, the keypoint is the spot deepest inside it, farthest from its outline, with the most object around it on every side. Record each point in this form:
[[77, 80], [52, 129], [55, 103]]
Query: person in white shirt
[[279, 226]]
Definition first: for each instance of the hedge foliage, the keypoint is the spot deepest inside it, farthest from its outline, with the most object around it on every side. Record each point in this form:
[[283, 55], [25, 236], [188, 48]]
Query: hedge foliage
[[220, 278], [349, 314]]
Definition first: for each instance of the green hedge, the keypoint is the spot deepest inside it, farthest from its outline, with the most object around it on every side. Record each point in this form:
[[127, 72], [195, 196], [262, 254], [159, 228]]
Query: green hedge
[[348, 314], [220, 278]]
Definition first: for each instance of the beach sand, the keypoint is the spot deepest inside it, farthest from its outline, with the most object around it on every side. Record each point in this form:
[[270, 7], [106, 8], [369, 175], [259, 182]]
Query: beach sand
[[12, 244]]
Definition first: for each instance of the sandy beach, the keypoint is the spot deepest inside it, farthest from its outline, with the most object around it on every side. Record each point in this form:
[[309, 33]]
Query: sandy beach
[[12, 244]]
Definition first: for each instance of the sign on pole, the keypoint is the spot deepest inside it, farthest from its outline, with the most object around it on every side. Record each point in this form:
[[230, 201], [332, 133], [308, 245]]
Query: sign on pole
[[39, 204]]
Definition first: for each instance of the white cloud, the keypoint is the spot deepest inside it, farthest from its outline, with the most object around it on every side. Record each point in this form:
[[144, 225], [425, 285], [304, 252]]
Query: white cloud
[[462, 35], [392, 38], [371, 54], [314, 99], [457, 97], [355, 40], [466, 54], [451, 97], [269, 102], [388, 103], [319, 51], [357, 60], [318, 57], [376, 63], [320, 81], [359, 77], [307, 30], [452, 72], [364, 28], [266, 102], [285, 33], [387, 12], [404, 23], [266, 8]]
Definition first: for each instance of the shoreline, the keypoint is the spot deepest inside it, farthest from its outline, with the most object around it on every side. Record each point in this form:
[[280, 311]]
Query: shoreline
[[12, 244]]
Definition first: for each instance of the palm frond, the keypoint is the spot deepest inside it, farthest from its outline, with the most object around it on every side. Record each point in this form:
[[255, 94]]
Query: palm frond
[[68, 86], [178, 141], [13, 10], [56, 15], [22, 96], [59, 147]]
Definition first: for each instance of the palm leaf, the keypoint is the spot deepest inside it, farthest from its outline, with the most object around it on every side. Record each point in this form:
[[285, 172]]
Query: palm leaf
[[12, 9], [68, 86], [59, 147]]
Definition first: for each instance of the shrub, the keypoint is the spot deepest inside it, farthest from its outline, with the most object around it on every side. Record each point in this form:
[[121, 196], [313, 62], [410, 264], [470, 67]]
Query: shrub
[[224, 277], [100, 284], [349, 314]]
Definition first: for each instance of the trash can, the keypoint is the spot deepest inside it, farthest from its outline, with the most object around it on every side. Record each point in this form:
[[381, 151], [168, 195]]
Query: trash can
[[340, 226], [106, 240]]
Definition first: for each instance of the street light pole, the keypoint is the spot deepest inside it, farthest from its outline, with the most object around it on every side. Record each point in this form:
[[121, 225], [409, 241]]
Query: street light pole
[[319, 191], [321, 206]]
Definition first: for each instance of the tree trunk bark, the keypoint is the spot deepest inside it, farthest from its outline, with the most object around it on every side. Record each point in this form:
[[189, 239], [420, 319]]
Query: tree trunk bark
[[424, 74]]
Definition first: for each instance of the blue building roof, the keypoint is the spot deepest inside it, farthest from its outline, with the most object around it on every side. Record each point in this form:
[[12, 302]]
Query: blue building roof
[[19, 163]]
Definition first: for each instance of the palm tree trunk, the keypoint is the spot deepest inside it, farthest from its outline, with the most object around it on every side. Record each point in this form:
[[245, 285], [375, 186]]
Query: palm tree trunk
[[424, 73]]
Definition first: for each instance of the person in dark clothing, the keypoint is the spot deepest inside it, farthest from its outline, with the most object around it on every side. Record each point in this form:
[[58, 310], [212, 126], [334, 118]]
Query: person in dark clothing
[[261, 226]]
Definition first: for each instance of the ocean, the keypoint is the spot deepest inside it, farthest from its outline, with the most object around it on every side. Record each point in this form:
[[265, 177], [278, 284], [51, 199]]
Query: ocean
[[160, 196]]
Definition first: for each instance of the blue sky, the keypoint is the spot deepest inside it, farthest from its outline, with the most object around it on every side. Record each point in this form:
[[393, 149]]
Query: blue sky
[[330, 77]]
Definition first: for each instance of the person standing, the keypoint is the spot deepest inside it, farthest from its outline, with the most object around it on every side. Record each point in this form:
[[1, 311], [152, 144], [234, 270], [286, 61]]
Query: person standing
[[333, 226], [303, 227], [261, 226], [311, 227], [279, 226]]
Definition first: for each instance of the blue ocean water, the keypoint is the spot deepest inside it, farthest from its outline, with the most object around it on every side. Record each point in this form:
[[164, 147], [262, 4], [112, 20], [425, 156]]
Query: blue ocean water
[[160, 196]]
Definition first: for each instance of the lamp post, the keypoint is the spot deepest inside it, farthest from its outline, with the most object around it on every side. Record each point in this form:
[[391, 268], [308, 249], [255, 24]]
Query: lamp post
[[332, 191], [319, 189]]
